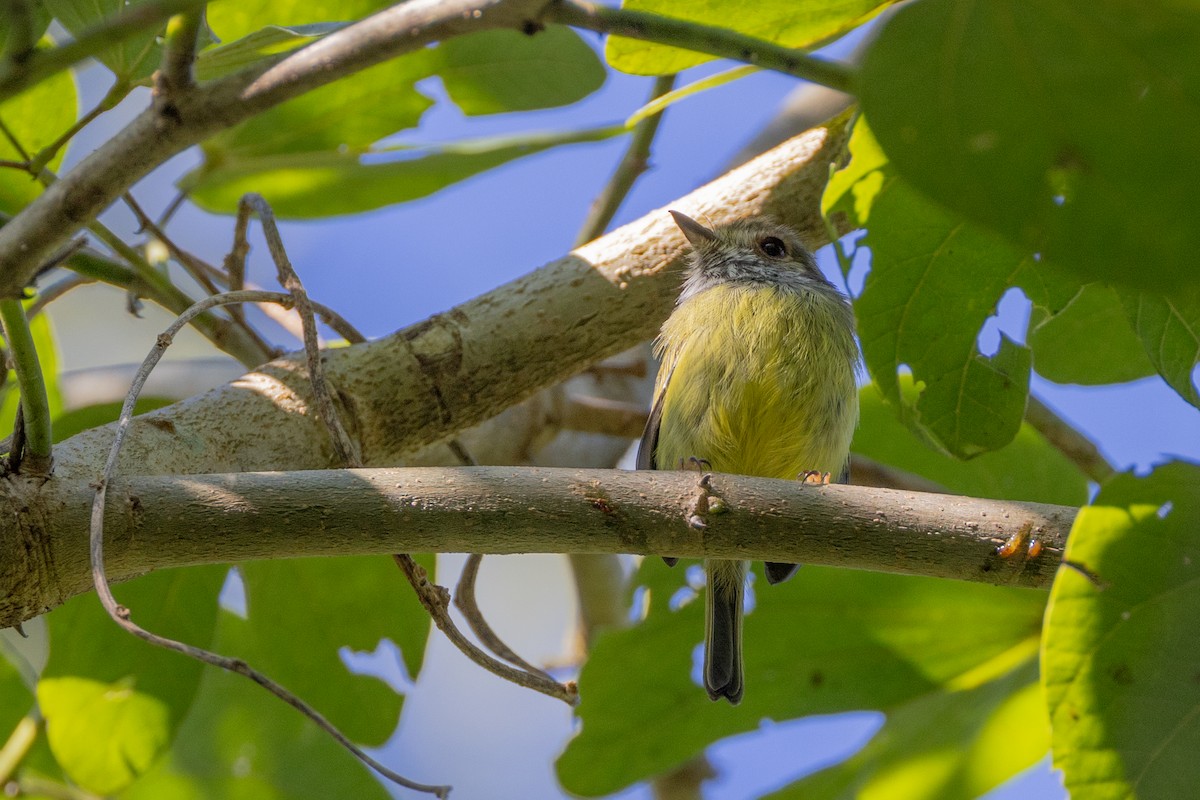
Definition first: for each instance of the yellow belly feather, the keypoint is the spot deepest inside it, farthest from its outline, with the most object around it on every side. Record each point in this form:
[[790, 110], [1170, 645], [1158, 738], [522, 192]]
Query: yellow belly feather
[[761, 383]]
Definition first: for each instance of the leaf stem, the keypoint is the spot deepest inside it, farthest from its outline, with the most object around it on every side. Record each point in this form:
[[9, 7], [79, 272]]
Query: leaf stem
[[34, 402], [702, 38]]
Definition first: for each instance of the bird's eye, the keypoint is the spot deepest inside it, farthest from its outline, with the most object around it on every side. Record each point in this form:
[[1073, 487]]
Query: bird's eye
[[773, 247]]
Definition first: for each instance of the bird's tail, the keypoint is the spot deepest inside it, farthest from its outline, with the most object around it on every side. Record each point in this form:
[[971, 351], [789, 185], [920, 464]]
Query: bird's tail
[[723, 629]]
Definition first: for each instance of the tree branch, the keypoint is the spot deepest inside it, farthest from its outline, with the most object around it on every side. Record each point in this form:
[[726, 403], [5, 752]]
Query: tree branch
[[169, 521], [455, 370]]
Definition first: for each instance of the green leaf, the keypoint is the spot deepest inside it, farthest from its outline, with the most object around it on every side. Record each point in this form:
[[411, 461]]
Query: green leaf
[[104, 734], [1056, 124], [102, 684], [934, 280], [781, 21], [1028, 468], [829, 640], [301, 612], [1169, 327], [331, 184], [343, 117], [233, 21], [36, 118], [503, 70], [268, 43], [1119, 656], [948, 745], [133, 59], [243, 742], [1112, 353]]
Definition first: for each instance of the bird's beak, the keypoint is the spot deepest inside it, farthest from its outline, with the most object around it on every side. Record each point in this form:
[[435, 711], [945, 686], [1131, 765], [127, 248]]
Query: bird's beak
[[696, 233]]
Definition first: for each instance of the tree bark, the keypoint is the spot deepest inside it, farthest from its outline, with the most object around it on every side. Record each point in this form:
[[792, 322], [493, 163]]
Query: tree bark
[[154, 522]]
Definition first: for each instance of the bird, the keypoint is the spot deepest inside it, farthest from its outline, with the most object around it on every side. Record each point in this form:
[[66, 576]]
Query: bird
[[758, 376]]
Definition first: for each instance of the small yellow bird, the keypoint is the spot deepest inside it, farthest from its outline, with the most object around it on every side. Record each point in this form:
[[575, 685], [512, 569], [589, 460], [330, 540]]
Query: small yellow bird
[[757, 378]]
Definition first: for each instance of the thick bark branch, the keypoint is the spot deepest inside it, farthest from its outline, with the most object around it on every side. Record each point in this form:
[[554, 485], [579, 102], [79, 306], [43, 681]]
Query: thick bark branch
[[158, 522], [460, 368]]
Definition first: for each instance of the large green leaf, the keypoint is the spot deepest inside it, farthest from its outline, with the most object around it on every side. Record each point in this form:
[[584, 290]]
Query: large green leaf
[[1112, 353], [781, 21], [1057, 124], [1169, 327], [1119, 655], [829, 640], [341, 183], [102, 685], [301, 613], [242, 742], [949, 745], [36, 118], [495, 71], [935, 279], [1028, 468], [134, 58], [343, 117]]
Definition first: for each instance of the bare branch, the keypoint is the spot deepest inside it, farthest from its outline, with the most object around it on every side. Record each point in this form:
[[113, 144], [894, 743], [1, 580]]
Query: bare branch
[[167, 521]]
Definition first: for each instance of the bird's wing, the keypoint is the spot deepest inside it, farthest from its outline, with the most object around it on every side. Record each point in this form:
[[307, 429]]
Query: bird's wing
[[649, 443], [646, 457]]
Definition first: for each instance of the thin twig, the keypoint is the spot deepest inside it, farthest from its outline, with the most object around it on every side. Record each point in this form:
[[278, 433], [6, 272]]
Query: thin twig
[[63, 255], [34, 401], [202, 272], [632, 164], [56, 290], [436, 600], [1070, 442], [464, 600], [344, 448], [702, 38], [179, 54], [121, 615], [41, 64]]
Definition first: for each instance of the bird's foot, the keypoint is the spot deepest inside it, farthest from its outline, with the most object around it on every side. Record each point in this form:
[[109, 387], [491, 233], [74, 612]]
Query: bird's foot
[[814, 477]]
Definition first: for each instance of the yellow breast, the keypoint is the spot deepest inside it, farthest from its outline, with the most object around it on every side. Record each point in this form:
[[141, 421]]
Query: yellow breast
[[761, 382]]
